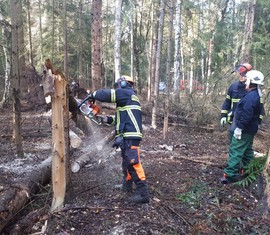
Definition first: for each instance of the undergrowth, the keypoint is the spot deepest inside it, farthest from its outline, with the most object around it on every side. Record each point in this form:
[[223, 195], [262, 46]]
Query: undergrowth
[[253, 170]]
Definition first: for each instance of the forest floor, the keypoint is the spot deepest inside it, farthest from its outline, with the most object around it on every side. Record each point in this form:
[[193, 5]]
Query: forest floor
[[182, 174]]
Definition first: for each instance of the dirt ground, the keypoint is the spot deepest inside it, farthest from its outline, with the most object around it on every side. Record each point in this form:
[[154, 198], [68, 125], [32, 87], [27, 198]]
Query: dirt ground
[[182, 175]]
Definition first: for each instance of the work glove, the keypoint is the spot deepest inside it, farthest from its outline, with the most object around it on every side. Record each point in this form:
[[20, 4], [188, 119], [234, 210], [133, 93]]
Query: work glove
[[237, 133], [118, 142], [90, 97], [223, 121]]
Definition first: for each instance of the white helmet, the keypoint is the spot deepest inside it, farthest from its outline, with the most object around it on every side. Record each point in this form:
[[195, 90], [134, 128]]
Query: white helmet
[[255, 77]]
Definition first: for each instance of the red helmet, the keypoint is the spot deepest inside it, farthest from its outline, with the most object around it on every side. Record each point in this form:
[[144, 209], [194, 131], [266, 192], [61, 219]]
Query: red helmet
[[242, 69]]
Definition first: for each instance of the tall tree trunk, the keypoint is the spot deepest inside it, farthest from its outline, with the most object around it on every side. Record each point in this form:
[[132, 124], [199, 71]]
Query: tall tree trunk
[[117, 45], [132, 42], [248, 31], [152, 51], [209, 63], [158, 60], [5, 39], [65, 38], [96, 44], [15, 15], [40, 31], [168, 72], [150, 55], [31, 58], [177, 52], [53, 29], [201, 30], [80, 52]]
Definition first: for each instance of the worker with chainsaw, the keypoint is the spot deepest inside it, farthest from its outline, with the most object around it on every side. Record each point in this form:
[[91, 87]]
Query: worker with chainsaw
[[244, 127], [235, 92], [128, 128]]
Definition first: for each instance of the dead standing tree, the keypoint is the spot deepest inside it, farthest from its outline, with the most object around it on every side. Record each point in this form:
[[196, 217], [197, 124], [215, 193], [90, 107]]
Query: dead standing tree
[[55, 85]]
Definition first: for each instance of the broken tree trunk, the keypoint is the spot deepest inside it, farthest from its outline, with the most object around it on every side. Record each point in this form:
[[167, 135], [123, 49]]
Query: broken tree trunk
[[60, 133], [16, 197], [82, 160]]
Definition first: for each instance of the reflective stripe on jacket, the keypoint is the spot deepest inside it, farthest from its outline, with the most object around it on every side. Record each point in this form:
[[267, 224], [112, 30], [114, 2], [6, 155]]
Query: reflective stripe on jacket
[[235, 93], [128, 118]]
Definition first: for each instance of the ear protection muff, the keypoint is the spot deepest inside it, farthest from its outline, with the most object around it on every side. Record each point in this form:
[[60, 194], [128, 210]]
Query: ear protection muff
[[123, 83]]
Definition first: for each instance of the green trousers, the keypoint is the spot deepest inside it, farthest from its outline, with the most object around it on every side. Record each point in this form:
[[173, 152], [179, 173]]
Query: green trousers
[[240, 155]]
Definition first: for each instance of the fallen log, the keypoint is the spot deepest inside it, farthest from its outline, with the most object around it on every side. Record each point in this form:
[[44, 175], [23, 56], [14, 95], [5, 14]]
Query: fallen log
[[82, 160], [16, 197]]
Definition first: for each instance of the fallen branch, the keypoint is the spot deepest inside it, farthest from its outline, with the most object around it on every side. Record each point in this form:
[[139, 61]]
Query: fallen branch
[[200, 161], [92, 208], [82, 160]]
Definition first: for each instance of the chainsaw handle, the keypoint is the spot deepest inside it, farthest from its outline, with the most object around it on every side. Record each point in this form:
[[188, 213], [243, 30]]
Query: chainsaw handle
[[89, 97]]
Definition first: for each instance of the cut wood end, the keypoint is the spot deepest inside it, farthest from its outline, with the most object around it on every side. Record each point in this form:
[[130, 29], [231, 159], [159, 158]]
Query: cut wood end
[[75, 167]]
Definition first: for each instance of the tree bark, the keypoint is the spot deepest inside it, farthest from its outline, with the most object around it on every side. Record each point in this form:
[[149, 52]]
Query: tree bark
[[117, 45], [168, 74], [177, 54], [15, 198], [96, 44], [15, 70], [158, 61]]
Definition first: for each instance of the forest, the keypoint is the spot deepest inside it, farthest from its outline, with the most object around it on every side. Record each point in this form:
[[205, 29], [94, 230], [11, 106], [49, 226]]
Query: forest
[[181, 56]]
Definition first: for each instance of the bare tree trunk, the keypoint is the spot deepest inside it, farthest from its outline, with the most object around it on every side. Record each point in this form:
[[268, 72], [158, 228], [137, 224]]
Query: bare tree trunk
[[65, 38], [15, 76], [158, 60], [5, 39], [132, 44], [177, 52], [96, 44], [150, 55], [60, 135], [168, 74], [153, 51], [201, 29], [80, 52], [117, 45], [248, 31], [53, 29], [31, 58], [40, 32], [208, 64]]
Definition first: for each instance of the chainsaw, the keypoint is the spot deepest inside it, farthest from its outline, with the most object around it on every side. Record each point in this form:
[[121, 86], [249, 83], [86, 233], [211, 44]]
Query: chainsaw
[[90, 110]]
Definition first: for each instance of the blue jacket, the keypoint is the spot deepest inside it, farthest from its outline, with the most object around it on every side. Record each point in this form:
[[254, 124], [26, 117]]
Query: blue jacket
[[248, 111], [235, 93], [128, 118]]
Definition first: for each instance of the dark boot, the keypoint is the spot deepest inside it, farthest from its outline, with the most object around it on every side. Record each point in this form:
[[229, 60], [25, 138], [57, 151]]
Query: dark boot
[[127, 186], [229, 180], [141, 195]]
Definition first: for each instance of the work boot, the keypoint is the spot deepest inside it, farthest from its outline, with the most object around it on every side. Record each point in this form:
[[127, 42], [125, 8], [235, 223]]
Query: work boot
[[127, 186], [229, 180], [242, 172], [141, 194], [138, 198]]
